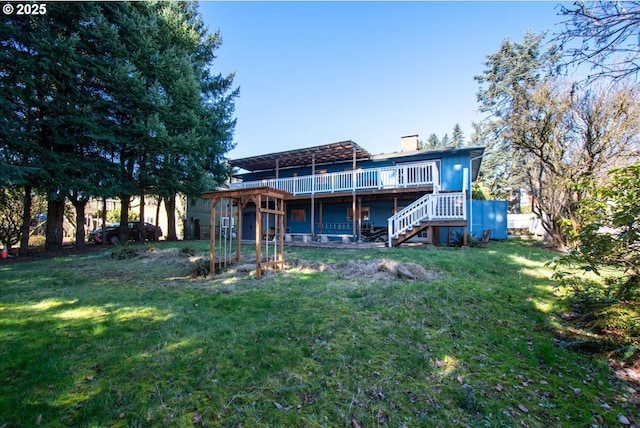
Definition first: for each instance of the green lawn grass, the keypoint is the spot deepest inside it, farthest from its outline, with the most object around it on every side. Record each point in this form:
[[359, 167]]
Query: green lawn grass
[[91, 340]]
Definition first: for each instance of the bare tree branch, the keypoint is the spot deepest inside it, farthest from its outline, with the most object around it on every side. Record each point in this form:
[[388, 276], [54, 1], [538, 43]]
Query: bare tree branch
[[603, 35]]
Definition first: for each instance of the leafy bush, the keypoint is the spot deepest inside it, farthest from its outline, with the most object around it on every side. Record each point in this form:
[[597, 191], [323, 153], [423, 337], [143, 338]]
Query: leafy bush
[[602, 270], [607, 233]]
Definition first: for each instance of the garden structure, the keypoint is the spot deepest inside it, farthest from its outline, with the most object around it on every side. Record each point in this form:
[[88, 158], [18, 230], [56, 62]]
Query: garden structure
[[225, 242]]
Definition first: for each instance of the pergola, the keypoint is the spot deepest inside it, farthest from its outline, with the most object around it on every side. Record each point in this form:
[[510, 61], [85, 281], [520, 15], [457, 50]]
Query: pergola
[[268, 201], [318, 155]]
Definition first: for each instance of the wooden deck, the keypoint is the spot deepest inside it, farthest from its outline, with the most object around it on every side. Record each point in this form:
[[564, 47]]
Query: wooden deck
[[406, 176]]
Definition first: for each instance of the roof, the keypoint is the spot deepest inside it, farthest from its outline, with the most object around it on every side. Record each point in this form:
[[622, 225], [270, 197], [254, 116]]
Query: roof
[[241, 193], [324, 154], [475, 155]]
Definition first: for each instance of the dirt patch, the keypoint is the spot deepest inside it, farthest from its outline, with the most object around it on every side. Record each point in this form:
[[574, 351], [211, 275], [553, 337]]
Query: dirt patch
[[385, 270], [370, 270], [352, 270]]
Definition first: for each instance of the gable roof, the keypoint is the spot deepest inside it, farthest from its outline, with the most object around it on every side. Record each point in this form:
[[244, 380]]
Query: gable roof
[[324, 154]]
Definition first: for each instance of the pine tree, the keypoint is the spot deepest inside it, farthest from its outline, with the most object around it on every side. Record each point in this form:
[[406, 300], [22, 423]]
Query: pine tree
[[114, 98], [457, 139], [433, 141]]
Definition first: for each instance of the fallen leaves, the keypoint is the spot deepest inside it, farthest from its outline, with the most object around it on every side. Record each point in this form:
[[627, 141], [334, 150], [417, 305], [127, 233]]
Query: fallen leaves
[[624, 420], [198, 417], [281, 407]]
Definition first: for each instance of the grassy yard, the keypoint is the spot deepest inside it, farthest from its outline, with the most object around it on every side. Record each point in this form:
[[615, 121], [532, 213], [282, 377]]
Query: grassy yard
[[91, 340]]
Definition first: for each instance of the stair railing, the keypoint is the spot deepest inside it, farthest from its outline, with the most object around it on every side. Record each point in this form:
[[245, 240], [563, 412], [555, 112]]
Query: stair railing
[[432, 206], [410, 216]]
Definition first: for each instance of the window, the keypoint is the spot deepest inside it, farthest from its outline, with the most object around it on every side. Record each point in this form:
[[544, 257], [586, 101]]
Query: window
[[364, 214], [299, 214]]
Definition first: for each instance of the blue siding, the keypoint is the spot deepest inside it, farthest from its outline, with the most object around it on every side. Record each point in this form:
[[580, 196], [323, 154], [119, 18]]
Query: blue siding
[[298, 226], [489, 215], [334, 217], [452, 172]]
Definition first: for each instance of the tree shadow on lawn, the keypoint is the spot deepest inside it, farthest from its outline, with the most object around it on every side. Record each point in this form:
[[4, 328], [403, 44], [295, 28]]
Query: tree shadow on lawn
[[56, 350], [473, 347]]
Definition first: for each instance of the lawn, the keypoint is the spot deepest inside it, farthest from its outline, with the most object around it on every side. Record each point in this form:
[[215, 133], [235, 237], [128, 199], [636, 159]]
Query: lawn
[[92, 340]]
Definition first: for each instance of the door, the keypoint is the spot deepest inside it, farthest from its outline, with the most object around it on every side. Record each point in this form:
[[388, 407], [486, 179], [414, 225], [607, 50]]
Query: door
[[249, 224]]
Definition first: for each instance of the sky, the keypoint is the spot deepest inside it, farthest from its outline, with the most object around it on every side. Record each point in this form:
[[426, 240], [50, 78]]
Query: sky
[[313, 73]]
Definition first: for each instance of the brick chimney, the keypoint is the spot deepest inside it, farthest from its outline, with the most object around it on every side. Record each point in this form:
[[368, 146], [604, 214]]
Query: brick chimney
[[409, 143]]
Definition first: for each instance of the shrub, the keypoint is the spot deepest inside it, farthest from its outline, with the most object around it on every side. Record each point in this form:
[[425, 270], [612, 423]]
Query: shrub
[[124, 251]]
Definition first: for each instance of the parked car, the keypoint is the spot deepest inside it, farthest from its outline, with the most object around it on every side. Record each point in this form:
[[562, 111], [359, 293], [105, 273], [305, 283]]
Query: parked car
[[151, 233]]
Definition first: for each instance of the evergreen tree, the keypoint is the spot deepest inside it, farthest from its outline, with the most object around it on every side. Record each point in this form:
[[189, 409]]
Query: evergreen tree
[[433, 141], [457, 139], [103, 99]]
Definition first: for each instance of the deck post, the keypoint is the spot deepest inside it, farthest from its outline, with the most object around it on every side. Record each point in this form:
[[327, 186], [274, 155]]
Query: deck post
[[360, 218], [212, 237], [353, 193], [258, 235], [280, 207], [313, 191], [240, 205], [353, 217], [465, 239]]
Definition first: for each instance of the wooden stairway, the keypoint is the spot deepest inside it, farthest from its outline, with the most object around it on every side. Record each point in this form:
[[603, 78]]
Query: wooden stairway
[[410, 233], [433, 232], [430, 211]]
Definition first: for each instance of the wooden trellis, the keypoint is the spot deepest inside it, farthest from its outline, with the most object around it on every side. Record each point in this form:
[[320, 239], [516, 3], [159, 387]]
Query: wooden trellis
[[269, 241]]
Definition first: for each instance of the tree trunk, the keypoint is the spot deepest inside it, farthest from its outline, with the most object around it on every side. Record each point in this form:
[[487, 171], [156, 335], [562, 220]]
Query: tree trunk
[[26, 221], [124, 219], [158, 211], [104, 220], [55, 220], [170, 205], [142, 235], [80, 233]]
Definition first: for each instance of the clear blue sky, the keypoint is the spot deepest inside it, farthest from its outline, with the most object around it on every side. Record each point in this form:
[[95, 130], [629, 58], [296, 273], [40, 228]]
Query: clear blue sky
[[312, 73]]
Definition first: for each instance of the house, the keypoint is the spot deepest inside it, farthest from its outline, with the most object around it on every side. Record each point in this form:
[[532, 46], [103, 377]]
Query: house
[[340, 191]]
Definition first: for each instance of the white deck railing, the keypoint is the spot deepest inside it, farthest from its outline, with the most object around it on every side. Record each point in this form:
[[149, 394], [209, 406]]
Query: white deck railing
[[394, 177]]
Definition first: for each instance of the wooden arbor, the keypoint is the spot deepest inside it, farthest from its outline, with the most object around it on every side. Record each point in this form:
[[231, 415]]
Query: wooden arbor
[[269, 205]]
